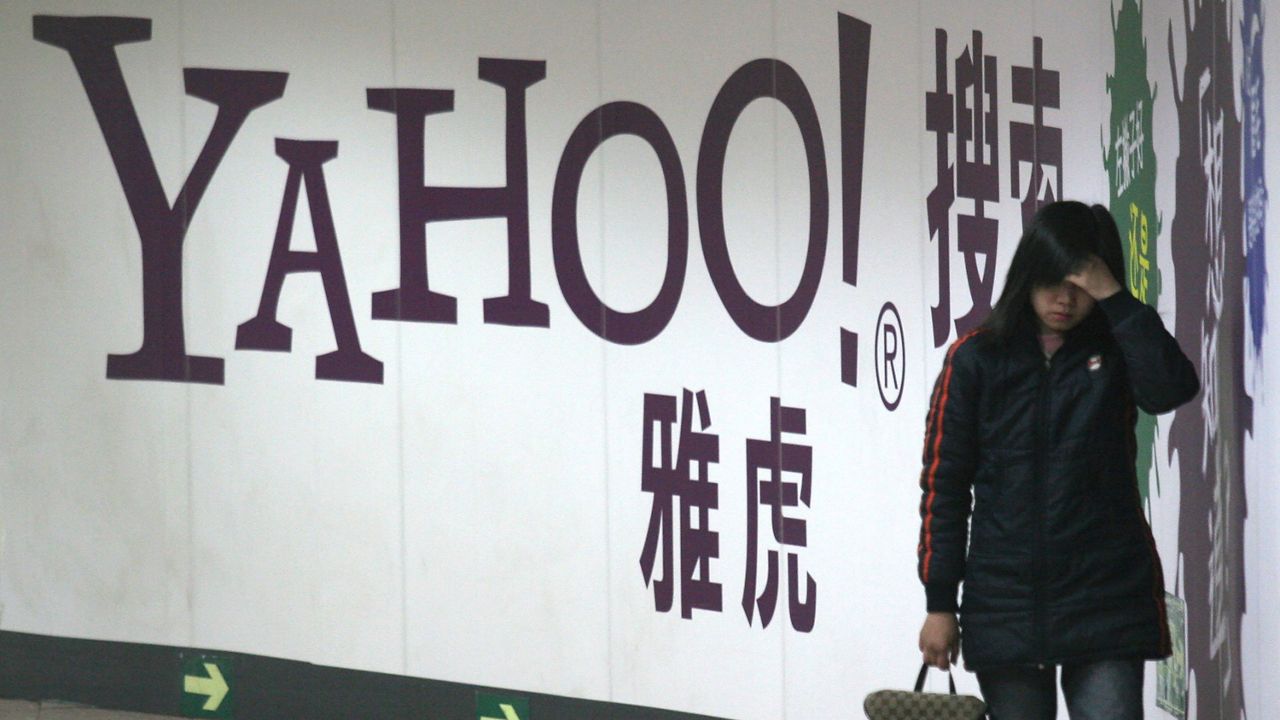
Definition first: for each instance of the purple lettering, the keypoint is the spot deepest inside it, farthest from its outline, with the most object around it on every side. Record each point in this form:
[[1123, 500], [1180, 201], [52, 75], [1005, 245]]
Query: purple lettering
[[940, 119], [761, 79], [855, 50], [977, 179], [770, 459], [161, 227], [306, 160], [1035, 142], [606, 121], [681, 472], [421, 204]]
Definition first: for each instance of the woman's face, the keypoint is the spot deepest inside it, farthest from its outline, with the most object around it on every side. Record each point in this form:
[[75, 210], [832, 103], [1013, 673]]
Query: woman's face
[[1060, 307]]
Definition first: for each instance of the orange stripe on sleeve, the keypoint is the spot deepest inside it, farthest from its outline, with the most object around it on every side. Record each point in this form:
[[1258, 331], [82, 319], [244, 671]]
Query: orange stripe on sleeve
[[930, 475]]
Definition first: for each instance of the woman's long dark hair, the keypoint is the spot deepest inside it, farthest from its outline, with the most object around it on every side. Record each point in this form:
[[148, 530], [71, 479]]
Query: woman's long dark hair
[[1059, 239]]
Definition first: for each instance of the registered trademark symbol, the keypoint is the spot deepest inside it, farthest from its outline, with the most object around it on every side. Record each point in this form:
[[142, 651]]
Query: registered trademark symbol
[[890, 359]]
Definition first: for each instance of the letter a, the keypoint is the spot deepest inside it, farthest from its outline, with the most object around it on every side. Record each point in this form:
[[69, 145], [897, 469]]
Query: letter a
[[306, 160]]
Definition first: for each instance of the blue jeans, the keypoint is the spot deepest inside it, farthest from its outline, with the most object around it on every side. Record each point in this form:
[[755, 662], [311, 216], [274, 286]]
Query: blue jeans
[[1099, 690]]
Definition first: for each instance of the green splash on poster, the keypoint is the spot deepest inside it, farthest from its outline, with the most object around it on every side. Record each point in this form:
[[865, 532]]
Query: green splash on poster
[[1130, 160]]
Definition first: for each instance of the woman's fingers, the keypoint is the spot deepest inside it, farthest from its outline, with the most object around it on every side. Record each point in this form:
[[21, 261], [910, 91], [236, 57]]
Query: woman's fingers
[[1094, 277], [939, 654], [939, 640], [940, 660]]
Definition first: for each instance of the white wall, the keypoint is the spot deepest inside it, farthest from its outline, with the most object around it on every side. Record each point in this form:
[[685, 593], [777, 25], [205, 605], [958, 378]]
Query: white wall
[[478, 515]]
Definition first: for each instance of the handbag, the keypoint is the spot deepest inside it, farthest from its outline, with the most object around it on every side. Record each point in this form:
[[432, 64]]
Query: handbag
[[919, 705]]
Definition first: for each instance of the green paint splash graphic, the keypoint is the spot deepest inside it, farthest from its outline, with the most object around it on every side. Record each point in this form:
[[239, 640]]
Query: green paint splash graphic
[[1130, 160]]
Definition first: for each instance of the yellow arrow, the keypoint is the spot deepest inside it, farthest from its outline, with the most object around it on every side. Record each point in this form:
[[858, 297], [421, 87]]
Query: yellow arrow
[[214, 686], [508, 713]]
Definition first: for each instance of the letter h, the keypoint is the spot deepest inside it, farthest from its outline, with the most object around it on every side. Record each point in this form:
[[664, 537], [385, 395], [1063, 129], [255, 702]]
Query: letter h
[[421, 204]]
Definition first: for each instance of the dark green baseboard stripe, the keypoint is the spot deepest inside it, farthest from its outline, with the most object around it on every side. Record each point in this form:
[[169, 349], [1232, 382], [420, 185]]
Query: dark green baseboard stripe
[[152, 679]]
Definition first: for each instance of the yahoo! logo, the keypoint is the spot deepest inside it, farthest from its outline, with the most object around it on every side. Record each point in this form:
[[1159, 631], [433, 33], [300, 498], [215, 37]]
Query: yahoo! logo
[[162, 226]]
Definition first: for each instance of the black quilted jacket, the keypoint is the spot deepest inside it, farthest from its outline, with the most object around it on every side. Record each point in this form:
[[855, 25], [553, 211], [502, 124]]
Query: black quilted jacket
[[1060, 564]]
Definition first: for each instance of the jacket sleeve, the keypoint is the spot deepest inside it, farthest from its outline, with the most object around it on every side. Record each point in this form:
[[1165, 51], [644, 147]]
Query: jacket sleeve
[[946, 480], [1160, 374]]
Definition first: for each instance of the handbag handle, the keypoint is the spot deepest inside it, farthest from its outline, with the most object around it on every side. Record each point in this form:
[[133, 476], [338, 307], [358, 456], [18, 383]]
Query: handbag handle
[[924, 670]]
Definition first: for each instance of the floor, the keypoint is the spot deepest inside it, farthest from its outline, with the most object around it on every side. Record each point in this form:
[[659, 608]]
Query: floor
[[53, 710]]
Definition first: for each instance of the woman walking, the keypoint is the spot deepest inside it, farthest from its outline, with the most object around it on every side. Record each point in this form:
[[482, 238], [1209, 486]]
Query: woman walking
[[1029, 494]]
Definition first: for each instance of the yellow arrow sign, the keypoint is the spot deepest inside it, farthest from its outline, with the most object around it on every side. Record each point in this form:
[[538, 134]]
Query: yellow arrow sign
[[214, 686], [508, 712]]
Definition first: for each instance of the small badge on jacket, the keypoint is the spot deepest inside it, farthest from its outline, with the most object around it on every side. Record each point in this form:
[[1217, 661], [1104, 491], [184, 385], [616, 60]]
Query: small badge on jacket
[[1095, 363]]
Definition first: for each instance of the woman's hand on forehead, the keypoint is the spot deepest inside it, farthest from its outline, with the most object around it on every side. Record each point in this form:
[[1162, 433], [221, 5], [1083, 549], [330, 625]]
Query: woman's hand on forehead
[[1095, 279]]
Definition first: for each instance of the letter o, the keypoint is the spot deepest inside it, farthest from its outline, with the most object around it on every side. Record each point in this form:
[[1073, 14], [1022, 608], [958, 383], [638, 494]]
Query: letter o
[[761, 78], [606, 121]]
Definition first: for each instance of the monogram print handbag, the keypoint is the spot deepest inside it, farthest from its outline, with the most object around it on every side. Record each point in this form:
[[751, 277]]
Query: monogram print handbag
[[919, 705]]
